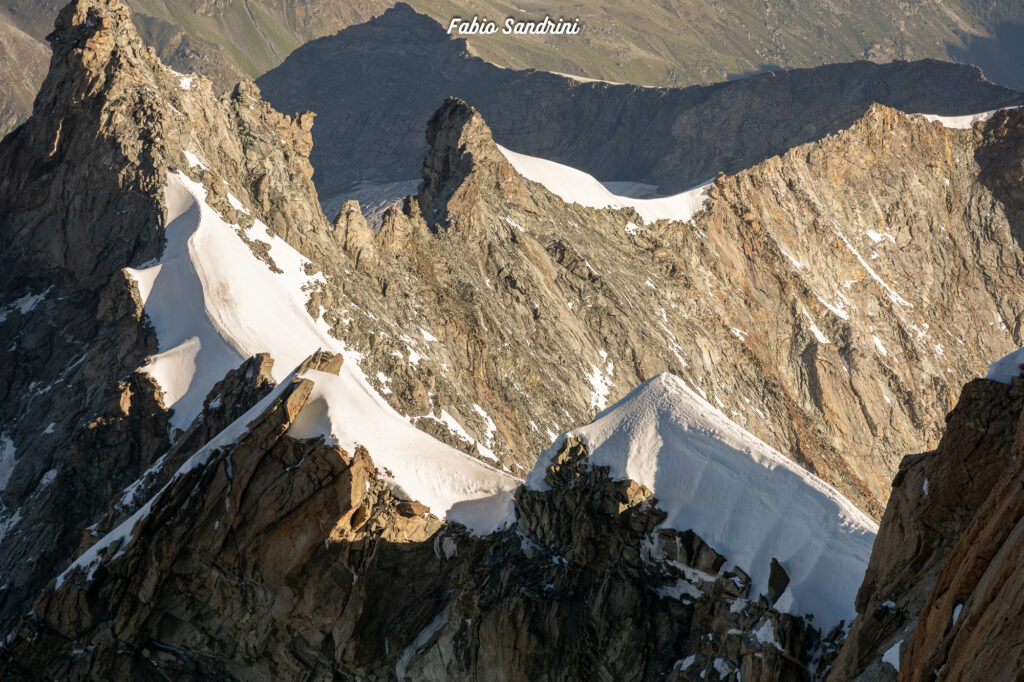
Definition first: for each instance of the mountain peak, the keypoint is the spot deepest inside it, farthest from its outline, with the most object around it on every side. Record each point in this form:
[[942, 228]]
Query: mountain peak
[[459, 142], [86, 34], [81, 19]]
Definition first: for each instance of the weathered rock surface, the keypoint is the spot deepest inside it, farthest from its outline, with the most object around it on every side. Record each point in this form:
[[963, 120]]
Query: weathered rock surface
[[23, 61], [489, 311], [374, 84], [942, 589], [969, 628], [81, 186], [936, 496], [275, 557], [228, 400], [811, 297], [831, 300]]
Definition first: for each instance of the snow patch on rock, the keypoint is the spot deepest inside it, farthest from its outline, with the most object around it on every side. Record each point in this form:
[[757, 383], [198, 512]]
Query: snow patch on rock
[[892, 655], [600, 387], [193, 160], [962, 122], [575, 186], [421, 640], [452, 484], [1007, 367], [213, 304]]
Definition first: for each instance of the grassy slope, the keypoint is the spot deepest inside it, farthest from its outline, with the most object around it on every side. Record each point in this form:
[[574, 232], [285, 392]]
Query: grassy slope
[[23, 64], [656, 42], [681, 43]]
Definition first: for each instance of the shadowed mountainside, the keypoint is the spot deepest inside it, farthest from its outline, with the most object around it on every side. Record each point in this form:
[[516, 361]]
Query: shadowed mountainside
[[373, 85]]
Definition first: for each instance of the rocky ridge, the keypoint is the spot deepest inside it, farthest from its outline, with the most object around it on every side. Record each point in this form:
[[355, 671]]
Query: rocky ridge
[[373, 85], [541, 312], [273, 556], [83, 195], [495, 259], [785, 270]]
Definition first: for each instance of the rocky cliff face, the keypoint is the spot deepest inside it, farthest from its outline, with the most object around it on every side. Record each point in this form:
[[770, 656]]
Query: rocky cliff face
[[277, 557], [943, 581], [374, 84], [796, 291], [82, 191], [539, 312]]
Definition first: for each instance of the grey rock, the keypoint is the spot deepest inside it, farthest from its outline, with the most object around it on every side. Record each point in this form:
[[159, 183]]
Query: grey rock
[[290, 559]]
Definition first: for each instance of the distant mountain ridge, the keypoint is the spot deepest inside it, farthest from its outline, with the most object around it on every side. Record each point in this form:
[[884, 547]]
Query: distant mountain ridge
[[23, 62], [488, 311], [683, 44], [675, 45], [373, 84]]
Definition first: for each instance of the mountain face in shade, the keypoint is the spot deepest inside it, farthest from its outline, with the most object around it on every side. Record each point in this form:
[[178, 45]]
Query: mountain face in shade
[[374, 84], [83, 197], [227, 40]]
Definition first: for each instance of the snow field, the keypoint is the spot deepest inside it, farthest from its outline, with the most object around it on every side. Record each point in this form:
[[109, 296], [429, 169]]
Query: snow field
[[742, 497]]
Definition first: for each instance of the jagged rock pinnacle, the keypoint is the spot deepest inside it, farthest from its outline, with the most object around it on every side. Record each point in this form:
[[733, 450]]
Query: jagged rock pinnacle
[[352, 231], [85, 37], [460, 141]]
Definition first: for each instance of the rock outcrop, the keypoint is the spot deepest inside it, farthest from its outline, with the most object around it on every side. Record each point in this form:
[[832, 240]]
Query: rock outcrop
[[942, 590], [936, 495], [384, 78], [284, 558], [807, 266], [489, 311], [830, 300], [969, 626]]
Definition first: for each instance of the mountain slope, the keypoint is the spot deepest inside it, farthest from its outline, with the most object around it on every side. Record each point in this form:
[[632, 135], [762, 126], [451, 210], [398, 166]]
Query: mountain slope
[[83, 199], [268, 554], [23, 62], [816, 298], [690, 43], [740, 496], [228, 40], [225, 41], [943, 579], [374, 84], [641, 43], [249, 308], [781, 271]]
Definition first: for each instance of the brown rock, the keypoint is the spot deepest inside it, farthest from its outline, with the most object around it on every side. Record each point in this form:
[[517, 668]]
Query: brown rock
[[936, 498]]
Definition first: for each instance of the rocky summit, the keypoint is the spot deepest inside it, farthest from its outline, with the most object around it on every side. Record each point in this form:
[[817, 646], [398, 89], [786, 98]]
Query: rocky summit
[[795, 306], [283, 558], [516, 426]]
